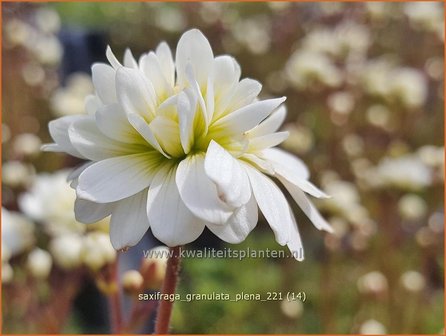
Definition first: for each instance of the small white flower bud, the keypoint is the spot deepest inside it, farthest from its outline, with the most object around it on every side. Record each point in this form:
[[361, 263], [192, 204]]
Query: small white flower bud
[[412, 207], [66, 251], [27, 144], [16, 173], [153, 268], [39, 263], [132, 281], [413, 281], [97, 250], [292, 309], [372, 327]]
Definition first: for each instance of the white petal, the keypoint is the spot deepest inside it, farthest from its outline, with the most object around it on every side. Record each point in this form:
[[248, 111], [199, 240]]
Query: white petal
[[228, 175], [145, 131], [74, 174], [59, 132], [52, 147], [89, 212], [92, 104], [167, 133], [151, 67], [129, 221], [194, 48], [103, 77], [239, 225], [293, 170], [113, 122], [266, 141], [210, 100], [272, 203], [199, 193], [307, 206], [31, 207], [135, 93], [247, 117], [226, 75], [117, 178], [243, 93], [295, 243], [196, 90], [170, 220], [283, 162], [270, 124], [166, 62], [92, 144], [259, 163], [186, 105], [112, 59], [129, 60]]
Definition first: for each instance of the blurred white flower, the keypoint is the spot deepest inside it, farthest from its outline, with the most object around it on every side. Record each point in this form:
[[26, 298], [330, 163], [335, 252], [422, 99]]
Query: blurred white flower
[[183, 154], [279, 5], [97, 250], [372, 327], [17, 233], [379, 115], [211, 12], [33, 74], [7, 273], [47, 49], [27, 144], [39, 263], [345, 201], [377, 10], [409, 86], [405, 172], [47, 20], [432, 156], [50, 201], [425, 14], [413, 281], [372, 283], [425, 237], [6, 133], [412, 207], [375, 76], [253, 33], [300, 140], [353, 144], [322, 40], [70, 100], [341, 102], [436, 222], [17, 32], [292, 309], [17, 174], [66, 250], [434, 67], [353, 37], [170, 18], [306, 68]]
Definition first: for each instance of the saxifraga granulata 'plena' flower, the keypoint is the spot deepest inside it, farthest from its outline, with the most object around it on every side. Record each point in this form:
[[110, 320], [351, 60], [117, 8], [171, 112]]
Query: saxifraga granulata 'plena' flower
[[180, 145]]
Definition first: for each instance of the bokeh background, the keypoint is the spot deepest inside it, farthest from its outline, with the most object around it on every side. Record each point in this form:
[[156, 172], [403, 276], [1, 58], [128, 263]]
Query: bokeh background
[[365, 88]]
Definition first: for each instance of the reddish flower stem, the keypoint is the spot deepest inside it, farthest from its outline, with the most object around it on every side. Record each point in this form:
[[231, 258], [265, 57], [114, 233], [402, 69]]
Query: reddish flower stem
[[115, 300], [169, 287]]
